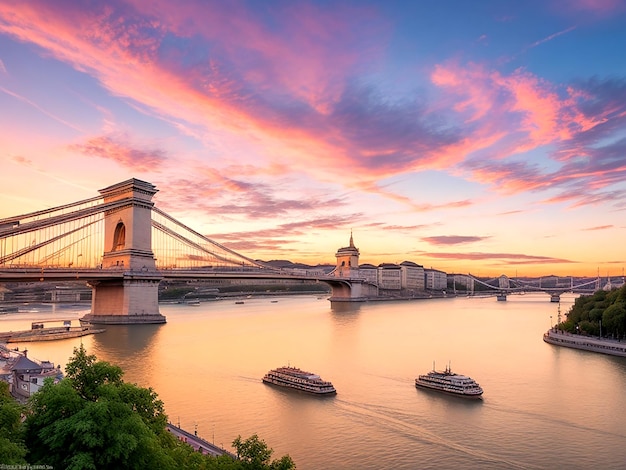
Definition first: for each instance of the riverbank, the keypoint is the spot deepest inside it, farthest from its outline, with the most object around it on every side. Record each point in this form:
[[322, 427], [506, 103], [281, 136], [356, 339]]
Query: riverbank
[[586, 343]]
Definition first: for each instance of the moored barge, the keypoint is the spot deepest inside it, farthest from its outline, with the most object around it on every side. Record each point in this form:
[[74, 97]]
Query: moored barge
[[49, 330]]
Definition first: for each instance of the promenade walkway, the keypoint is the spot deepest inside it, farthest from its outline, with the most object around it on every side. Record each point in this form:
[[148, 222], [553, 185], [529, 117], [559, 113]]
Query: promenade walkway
[[199, 444], [587, 343]]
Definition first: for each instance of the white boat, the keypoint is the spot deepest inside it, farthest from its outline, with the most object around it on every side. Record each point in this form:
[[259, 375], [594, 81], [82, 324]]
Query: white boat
[[451, 383], [292, 377]]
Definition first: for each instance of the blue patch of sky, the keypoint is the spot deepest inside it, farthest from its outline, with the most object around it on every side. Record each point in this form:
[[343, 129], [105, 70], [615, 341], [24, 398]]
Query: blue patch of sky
[[188, 52], [433, 32], [585, 52], [610, 140], [58, 91], [432, 186], [72, 96], [538, 157]]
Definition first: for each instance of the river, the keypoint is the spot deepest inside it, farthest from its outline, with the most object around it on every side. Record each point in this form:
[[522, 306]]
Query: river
[[543, 407]]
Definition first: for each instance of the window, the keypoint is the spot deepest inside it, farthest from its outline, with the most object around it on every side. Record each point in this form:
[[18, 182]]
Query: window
[[119, 237]]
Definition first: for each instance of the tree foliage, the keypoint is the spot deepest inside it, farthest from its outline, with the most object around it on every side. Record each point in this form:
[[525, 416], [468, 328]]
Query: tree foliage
[[254, 454], [12, 449], [92, 419], [604, 310]]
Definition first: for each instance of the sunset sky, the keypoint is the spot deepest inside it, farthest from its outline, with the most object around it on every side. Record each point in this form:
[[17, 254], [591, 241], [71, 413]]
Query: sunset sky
[[468, 136]]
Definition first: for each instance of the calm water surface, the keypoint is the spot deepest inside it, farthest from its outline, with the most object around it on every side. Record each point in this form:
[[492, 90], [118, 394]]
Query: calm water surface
[[544, 407]]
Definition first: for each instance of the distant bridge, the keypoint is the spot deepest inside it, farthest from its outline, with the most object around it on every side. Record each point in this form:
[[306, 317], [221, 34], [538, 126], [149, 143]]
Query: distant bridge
[[123, 246], [508, 286]]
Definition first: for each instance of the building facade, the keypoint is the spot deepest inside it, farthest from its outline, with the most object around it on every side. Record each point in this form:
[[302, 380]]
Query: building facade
[[369, 272], [412, 276], [389, 276], [435, 279]]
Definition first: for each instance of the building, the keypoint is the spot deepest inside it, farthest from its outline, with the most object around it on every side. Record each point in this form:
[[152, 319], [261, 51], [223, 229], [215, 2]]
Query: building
[[29, 376], [412, 276], [25, 376], [369, 272], [347, 261], [435, 279], [462, 282], [389, 276]]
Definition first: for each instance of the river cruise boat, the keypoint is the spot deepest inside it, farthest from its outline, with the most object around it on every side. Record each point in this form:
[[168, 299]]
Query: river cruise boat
[[292, 377], [451, 383]]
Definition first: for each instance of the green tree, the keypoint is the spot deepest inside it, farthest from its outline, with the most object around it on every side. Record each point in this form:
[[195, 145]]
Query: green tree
[[614, 319], [12, 449], [606, 306], [92, 419], [254, 454]]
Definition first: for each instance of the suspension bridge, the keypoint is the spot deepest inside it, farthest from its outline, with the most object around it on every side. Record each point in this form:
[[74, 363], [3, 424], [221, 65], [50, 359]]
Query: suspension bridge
[[504, 286], [122, 246]]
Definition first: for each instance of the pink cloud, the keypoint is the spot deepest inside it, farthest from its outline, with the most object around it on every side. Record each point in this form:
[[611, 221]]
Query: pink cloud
[[601, 7], [22, 160], [453, 239], [519, 113], [216, 67], [511, 258], [119, 152], [519, 103], [228, 194], [249, 79]]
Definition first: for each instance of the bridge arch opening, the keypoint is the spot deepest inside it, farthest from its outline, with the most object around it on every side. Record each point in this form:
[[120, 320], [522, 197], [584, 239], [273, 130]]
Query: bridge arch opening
[[119, 237]]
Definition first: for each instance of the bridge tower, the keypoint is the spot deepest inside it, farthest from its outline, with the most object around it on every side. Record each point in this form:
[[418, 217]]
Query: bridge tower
[[350, 286], [128, 247], [347, 260]]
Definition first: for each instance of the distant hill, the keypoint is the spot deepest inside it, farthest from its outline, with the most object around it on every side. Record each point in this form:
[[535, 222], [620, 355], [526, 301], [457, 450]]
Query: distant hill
[[286, 264]]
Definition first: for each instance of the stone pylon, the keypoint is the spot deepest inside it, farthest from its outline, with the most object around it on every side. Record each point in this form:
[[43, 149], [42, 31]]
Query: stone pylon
[[131, 296]]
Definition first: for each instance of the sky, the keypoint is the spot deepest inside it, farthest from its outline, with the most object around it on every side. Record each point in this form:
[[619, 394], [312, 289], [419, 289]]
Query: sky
[[484, 137]]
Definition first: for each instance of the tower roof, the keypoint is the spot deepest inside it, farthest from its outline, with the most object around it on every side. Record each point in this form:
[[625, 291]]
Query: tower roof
[[348, 250]]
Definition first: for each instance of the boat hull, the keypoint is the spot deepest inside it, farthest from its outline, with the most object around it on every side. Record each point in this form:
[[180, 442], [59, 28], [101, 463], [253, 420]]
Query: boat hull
[[289, 386]]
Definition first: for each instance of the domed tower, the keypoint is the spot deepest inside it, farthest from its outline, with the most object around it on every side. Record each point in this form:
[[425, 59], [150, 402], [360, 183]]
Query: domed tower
[[347, 260]]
